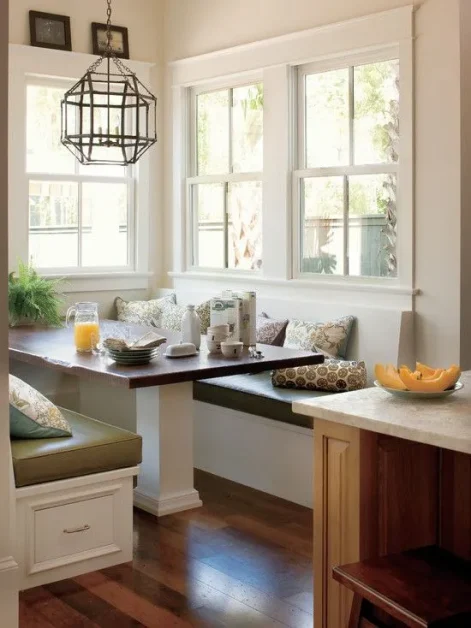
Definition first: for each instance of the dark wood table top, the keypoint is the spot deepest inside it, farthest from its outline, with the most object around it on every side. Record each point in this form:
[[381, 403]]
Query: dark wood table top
[[54, 348]]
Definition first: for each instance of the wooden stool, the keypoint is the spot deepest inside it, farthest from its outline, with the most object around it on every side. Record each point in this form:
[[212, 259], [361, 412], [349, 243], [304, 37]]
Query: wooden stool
[[424, 588]]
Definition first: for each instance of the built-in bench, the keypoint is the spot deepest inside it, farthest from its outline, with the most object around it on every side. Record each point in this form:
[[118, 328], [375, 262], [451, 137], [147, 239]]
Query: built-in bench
[[74, 500], [255, 394]]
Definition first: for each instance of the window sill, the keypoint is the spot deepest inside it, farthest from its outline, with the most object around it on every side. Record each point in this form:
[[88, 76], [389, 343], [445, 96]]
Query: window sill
[[102, 282], [343, 285]]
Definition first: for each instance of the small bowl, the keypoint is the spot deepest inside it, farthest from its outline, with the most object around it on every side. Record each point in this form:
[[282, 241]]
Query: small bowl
[[217, 337], [214, 346], [219, 329], [232, 349]]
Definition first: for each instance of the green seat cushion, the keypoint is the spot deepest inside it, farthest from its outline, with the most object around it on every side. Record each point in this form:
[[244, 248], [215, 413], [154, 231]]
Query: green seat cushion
[[255, 394], [94, 447]]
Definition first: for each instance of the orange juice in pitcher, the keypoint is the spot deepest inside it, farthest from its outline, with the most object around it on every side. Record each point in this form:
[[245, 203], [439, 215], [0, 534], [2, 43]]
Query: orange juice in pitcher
[[86, 327]]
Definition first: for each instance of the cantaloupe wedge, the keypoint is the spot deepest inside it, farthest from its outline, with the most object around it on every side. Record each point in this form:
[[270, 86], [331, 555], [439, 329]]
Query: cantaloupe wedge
[[388, 376], [428, 372], [443, 381]]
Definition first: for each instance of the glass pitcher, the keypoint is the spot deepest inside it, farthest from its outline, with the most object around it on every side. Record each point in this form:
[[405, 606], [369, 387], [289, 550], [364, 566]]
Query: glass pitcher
[[86, 327]]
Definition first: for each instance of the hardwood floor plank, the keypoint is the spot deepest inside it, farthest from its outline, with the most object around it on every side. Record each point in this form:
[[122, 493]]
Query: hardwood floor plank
[[126, 601], [52, 609], [241, 561], [91, 606]]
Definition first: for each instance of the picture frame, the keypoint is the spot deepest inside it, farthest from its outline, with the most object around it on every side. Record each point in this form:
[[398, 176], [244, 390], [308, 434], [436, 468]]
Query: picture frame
[[119, 40], [48, 30]]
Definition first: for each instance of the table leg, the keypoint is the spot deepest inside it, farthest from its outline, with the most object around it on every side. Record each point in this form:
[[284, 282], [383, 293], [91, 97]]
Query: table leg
[[165, 422]]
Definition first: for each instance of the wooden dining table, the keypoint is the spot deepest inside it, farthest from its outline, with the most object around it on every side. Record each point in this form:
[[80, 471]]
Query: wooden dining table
[[156, 399]]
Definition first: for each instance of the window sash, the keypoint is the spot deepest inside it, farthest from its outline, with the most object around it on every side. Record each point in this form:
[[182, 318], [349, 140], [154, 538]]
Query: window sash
[[129, 178], [192, 219], [131, 217], [301, 172], [193, 178]]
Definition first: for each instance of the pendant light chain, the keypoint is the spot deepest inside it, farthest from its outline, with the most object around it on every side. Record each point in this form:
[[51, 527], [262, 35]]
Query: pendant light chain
[[108, 27]]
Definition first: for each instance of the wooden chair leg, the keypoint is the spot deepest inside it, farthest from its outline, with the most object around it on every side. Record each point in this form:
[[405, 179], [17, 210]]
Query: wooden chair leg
[[356, 612]]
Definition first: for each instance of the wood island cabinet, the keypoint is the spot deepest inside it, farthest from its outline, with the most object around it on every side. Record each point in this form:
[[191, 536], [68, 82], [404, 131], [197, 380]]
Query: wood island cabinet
[[377, 495]]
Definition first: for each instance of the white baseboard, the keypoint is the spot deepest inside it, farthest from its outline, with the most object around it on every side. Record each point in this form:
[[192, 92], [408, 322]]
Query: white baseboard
[[267, 455], [9, 576], [167, 505]]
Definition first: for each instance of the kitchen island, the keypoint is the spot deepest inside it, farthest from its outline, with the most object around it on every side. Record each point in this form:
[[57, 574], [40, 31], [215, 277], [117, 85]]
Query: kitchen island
[[390, 474]]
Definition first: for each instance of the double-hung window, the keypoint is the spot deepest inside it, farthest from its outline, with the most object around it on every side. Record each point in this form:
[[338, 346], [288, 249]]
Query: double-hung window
[[224, 187], [81, 218], [347, 173]]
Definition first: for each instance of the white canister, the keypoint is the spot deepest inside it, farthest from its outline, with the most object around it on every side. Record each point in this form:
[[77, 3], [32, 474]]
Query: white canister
[[191, 326]]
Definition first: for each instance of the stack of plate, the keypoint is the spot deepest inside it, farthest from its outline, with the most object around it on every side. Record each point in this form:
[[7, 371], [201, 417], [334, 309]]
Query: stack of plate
[[133, 357]]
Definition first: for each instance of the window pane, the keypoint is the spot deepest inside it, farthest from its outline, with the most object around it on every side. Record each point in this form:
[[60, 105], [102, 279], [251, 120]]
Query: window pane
[[53, 224], [372, 225], [323, 230], [245, 225], [213, 132], [45, 152], [208, 224], [327, 119], [104, 224], [376, 126], [247, 128]]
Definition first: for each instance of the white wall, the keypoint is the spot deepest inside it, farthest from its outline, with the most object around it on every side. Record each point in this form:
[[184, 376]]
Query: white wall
[[144, 20], [8, 567]]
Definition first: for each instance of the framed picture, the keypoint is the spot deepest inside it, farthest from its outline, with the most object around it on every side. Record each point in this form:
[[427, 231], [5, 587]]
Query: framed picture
[[50, 31], [119, 40]]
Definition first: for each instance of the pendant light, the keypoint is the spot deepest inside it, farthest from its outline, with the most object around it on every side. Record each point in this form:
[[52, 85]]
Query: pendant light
[[109, 116]]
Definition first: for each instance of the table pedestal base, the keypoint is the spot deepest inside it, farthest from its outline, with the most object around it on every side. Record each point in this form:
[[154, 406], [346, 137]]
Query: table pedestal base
[[165, 422]]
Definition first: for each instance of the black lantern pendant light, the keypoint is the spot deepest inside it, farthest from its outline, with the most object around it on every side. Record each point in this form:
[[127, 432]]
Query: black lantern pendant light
[[109, 117]]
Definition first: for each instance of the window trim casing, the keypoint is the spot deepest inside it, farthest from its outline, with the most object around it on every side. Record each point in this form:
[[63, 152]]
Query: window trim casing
[[385, 53], [276, 58], [192, 177], [28, 63]]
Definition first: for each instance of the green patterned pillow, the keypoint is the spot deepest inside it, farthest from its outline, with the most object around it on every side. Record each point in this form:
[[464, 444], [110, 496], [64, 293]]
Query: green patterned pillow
[[141, 312], [32, 415], [329, 338], [171, 316]]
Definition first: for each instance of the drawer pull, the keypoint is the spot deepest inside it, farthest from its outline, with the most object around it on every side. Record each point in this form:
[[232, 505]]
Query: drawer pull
[[74, 530]]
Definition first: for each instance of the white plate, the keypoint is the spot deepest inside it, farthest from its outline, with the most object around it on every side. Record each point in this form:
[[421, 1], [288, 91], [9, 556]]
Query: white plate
[[412, 394]]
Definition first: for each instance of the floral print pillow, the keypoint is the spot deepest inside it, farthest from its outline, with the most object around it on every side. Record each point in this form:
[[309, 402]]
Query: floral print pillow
[[270, 331], [329, 338], [332, 376], [141, 312], [172, 314], [32, 415]]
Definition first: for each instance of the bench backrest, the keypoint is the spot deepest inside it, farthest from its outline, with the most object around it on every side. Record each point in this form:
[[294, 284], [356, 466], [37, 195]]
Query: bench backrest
[[379, 335]]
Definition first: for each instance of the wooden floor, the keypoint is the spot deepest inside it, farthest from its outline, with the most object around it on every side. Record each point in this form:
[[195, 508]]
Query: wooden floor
[[241, 561]]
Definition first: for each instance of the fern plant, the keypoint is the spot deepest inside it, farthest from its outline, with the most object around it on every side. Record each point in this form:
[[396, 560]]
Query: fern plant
[[32, 298]]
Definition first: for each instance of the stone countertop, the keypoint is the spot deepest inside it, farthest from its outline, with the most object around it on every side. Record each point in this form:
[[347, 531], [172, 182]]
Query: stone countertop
[[444, 422]]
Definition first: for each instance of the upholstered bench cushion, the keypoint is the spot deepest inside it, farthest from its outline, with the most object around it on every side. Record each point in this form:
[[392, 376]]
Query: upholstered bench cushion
[[255, 394], [94, 447]]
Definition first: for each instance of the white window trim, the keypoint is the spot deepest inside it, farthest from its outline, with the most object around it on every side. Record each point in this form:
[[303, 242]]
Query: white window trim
[[194, 179], [28, 64], [405, 213], [275, 60]]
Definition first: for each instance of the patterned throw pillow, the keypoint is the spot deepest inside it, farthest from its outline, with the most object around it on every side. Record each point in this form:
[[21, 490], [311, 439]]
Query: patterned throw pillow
[[270, 331], [171, 316], [329, 338], [332, 376], [32, 415], [141, 312]]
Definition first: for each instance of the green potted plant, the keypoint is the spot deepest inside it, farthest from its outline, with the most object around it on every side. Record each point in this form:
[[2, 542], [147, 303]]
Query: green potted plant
[[33, 299]]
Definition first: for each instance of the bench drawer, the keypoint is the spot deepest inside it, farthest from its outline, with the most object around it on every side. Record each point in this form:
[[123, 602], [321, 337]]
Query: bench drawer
[[69, 529]]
